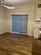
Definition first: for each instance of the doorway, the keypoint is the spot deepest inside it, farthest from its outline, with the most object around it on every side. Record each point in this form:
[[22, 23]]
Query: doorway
[[19, 24]]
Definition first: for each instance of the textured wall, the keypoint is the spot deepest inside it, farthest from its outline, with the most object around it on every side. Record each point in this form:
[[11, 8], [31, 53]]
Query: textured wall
[[37, 25], [22, 9], [30, 9], [2, 19]]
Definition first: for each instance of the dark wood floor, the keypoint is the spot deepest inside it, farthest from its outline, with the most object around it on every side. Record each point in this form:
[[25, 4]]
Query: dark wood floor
[[36, 47], [13, 44]]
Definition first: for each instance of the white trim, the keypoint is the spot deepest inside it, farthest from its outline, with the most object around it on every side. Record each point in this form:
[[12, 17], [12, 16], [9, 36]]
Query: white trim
[[22, 13], [2, 33], [27, 23], [9, 7]]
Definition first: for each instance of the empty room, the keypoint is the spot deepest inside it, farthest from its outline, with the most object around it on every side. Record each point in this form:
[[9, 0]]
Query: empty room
[[20, 27]]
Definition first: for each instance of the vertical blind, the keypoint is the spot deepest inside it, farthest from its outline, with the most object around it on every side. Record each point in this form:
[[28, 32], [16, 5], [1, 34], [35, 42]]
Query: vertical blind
[[19, 23]]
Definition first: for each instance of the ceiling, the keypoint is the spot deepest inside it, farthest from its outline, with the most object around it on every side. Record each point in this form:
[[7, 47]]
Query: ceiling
[[17, 2]]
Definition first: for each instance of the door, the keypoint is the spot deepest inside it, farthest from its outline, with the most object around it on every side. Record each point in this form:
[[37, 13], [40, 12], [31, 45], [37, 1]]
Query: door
[[23, 27], [19, 23], [16, 24]]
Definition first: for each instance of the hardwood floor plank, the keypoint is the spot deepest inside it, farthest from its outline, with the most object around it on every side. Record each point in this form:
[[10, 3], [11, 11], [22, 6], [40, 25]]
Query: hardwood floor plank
[[14, 44]]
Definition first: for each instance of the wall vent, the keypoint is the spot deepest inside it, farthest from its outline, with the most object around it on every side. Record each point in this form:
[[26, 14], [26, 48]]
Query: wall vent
[[39, 5]]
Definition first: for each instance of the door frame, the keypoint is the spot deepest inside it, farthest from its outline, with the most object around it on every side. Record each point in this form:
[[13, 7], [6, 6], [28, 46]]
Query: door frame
[[27, 22]]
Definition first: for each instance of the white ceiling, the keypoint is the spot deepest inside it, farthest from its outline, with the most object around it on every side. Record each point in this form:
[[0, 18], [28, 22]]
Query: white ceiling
[[17, 2]]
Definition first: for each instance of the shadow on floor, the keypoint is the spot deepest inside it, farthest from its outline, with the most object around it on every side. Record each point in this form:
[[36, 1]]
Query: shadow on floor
[[36, 47]]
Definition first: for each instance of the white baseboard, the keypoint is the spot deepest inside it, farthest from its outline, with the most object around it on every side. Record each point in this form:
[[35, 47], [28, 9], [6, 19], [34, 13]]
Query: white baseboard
[[2, 33], [17, 33]]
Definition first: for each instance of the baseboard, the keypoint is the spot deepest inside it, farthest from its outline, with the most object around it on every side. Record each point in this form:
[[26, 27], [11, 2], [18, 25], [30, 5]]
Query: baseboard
[[16, 33], [2, 33], [21, 34]]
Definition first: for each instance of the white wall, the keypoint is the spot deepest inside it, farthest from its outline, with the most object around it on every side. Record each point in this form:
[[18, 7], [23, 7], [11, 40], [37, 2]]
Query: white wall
[[22, 9], [33, 14], [30, 9], [2, 20], [37, 25]]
